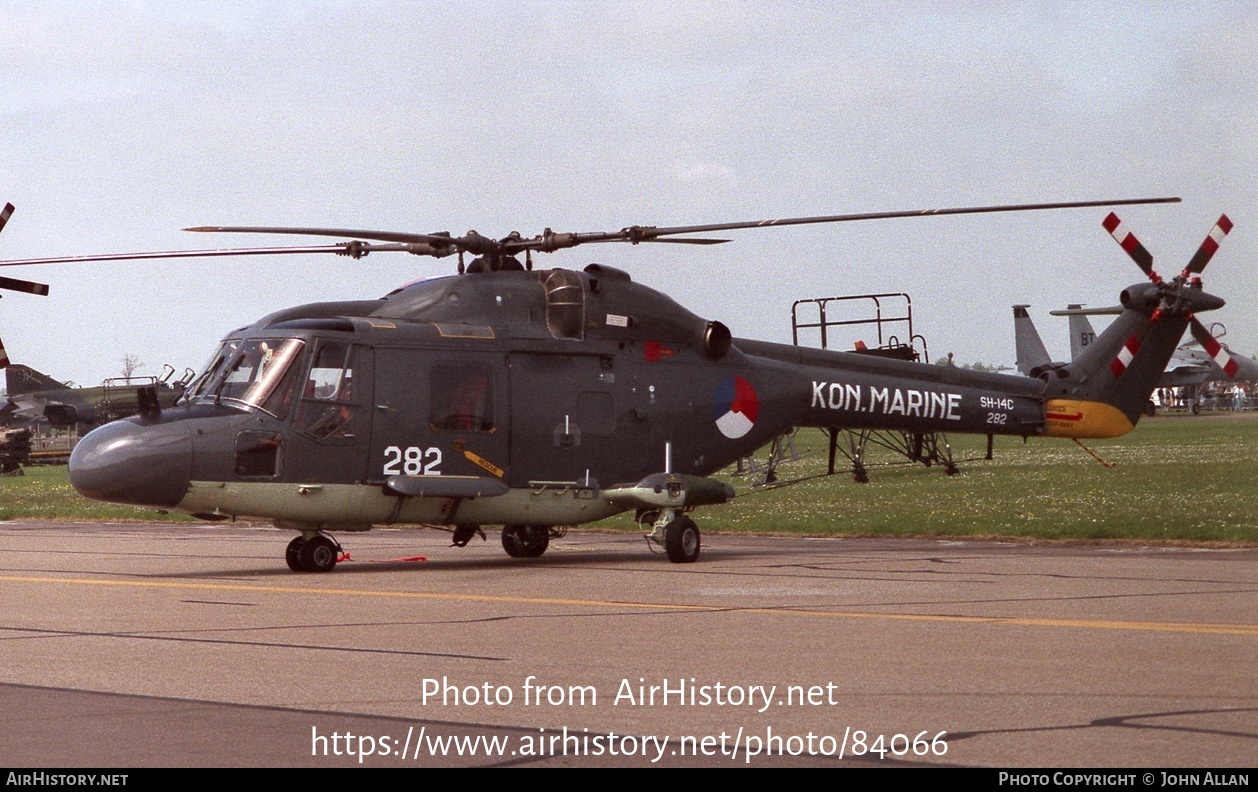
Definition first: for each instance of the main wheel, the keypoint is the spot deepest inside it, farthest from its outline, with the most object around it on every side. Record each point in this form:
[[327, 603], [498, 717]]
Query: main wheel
[[525, 541], [681, 540], [293, 554], [318, 555]]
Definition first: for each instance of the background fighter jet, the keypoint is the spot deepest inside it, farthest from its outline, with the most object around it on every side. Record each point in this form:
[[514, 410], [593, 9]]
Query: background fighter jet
[[34, 395]]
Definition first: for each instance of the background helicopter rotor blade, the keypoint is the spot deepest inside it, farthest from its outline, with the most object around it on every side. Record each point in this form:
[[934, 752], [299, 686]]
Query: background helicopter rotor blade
[[24, 286], [17, 284]]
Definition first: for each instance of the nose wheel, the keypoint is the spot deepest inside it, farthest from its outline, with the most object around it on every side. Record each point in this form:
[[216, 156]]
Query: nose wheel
[[316, 553]]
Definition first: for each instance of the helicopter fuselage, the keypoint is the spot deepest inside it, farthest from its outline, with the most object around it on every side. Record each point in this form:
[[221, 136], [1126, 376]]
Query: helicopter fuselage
[[509, 397]]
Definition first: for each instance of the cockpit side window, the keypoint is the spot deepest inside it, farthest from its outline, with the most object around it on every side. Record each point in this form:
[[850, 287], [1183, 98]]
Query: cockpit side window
[[328, 398]]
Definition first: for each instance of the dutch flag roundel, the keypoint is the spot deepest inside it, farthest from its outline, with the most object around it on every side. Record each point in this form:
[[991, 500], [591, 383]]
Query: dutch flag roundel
[[735, 407]]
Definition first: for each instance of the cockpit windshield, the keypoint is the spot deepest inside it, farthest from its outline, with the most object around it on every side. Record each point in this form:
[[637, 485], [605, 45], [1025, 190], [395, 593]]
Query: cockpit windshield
[[199, 386], [253, 372]]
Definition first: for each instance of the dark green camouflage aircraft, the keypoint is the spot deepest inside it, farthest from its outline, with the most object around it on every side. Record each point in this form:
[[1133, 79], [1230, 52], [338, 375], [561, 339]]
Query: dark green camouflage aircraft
[[541, 399], [33, 395]]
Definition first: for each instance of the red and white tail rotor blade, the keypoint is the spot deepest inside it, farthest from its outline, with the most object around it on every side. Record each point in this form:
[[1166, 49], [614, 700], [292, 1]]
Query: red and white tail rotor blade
[[1129, 243], [1208, 247], [1214, 349]]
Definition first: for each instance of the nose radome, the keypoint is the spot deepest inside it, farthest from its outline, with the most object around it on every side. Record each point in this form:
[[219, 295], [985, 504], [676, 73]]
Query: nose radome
[[141, 465]]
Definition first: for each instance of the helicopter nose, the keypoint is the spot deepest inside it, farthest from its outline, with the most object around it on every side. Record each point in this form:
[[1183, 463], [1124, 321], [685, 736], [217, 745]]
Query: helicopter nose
[[125, 462]]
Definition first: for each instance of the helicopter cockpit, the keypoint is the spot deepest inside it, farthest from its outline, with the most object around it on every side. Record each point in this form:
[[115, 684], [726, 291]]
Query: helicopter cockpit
[[257, 373]]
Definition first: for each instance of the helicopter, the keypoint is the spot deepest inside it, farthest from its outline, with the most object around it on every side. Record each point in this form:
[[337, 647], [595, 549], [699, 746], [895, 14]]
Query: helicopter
[[543, 399]]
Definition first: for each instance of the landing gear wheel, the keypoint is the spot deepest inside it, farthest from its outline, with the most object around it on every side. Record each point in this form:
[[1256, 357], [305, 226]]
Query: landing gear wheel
[[1150, 409], [293, 554], [525, 541], [317, 555], [681, 540]]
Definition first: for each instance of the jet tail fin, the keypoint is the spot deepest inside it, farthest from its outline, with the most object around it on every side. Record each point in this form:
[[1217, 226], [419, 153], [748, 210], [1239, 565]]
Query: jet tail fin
[[1028, 346], [1081, 333], [21, 379]]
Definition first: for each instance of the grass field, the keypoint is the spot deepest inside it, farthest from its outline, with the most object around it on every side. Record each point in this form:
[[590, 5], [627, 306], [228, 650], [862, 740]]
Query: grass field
[[1174, 479]]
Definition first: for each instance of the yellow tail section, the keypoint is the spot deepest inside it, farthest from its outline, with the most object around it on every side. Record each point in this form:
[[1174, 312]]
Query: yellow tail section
[[1071, 418]]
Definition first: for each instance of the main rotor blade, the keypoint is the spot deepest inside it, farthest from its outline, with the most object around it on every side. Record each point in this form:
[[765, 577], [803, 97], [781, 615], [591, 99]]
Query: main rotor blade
[[692, 241], [345, 233], [343, 249], [442, 244], [699, 229], [5, 214]]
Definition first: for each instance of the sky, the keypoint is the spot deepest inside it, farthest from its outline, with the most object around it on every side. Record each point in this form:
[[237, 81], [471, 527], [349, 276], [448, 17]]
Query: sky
[[123, 122]]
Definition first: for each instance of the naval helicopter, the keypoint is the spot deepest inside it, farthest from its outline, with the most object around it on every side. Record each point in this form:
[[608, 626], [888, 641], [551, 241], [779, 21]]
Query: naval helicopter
[[539, 399]]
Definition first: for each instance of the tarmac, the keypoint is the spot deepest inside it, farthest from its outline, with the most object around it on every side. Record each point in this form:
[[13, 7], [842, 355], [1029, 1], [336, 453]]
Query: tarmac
[[193, 645]]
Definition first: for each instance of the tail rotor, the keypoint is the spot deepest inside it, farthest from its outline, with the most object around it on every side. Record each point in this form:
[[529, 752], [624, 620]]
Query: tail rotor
[[1178, 296], [1171, 293]]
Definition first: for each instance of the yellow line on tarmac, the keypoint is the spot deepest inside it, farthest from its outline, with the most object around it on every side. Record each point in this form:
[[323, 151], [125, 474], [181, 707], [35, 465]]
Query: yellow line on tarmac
[[1019, 621]]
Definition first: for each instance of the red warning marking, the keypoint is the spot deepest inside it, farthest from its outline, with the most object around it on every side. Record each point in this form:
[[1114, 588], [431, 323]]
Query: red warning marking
[[654, 351], [1119, 364], [1065, 416]]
